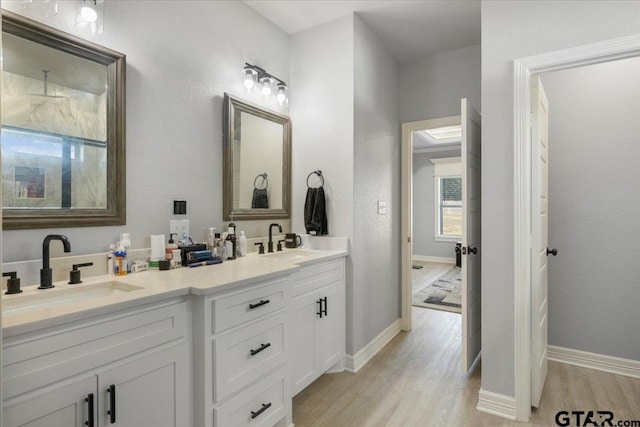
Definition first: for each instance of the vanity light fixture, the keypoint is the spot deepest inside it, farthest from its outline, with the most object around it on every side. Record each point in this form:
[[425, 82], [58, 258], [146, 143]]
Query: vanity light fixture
[[256, 77], [90, 15]]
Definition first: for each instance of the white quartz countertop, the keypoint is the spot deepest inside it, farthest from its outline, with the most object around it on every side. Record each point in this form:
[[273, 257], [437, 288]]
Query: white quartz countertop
[[154, 286]]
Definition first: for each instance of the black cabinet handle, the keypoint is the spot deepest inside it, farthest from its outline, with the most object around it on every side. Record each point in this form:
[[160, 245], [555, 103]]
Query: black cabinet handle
[[265, 406], [89, 400], [258, 304], [112, 403], [553, 252], [325, 305], [473, 250], [262, 347], [319, 313]]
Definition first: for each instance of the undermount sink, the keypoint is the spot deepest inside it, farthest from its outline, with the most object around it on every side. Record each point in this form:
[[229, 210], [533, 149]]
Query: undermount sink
[[290, 255], [45, 299]]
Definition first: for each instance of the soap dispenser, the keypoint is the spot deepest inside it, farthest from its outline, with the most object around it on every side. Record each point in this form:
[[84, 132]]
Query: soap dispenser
[[231, 242]]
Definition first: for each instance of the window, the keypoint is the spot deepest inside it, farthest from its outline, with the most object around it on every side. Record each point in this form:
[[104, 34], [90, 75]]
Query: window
[[449, 209]]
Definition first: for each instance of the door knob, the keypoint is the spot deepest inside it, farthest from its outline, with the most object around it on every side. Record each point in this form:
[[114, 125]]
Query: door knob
[[473, 250], [553, 252]]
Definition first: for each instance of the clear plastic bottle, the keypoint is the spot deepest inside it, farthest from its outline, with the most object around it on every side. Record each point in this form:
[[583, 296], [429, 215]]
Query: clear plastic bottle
[[211, 239], [242, 244]]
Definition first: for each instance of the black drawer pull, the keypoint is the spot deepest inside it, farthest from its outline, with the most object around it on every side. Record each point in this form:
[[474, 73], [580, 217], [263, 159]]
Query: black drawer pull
[[262, 302], [89, 400], [319, 313], [112, 403], [262, 347], [325, 305], [265, 406]]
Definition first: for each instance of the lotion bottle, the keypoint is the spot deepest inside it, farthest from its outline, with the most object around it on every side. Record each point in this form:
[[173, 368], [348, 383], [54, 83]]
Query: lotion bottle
[[242, 244], [231, 242]]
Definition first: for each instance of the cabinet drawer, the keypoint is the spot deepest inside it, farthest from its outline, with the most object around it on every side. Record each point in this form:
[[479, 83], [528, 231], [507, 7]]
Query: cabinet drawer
[[244, 306], [315, 276], [45, 357], [235, 365], [262, 404]]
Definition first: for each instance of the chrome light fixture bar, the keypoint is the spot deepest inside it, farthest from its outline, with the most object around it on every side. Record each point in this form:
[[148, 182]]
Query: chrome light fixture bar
[[254, 75]]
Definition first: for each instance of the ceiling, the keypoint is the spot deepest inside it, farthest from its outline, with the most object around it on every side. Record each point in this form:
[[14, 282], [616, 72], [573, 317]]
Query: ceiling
[[409, 29]]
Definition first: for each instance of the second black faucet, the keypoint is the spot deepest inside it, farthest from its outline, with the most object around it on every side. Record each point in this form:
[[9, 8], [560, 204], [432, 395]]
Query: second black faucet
[[270, 244]]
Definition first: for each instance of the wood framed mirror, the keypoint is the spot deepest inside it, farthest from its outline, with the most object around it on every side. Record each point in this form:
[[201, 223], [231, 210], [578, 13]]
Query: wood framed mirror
[[256, 162], [63, 129]]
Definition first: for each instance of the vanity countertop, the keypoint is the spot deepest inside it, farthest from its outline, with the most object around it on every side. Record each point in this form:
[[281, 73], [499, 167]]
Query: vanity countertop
[[155, 286]]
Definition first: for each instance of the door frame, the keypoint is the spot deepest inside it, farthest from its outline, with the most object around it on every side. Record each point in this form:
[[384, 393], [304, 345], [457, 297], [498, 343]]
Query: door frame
[[523, 69], [406, 234]]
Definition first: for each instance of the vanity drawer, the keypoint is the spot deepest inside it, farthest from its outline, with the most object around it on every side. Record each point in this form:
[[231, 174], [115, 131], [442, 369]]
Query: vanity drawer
[[244, 306], [318, 275], [36, 359], [265, 401], [233, 361]]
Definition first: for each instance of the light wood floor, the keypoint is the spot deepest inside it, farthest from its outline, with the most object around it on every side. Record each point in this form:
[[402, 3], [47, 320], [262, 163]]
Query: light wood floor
[[415, 381]]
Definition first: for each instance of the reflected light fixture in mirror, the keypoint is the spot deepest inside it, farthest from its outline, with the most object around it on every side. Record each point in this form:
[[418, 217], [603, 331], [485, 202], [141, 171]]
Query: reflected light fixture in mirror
[[42, 8], [90, 14], [252, 74]]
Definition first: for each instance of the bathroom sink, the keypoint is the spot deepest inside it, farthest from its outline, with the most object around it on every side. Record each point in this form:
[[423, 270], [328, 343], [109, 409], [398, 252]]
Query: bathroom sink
[[295, 254], [67, 296]]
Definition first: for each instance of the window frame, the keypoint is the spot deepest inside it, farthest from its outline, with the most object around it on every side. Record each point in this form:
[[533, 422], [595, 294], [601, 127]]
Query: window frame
[[438, 235]]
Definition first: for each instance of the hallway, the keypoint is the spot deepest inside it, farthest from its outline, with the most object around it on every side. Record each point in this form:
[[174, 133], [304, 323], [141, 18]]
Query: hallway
[[415, 381]]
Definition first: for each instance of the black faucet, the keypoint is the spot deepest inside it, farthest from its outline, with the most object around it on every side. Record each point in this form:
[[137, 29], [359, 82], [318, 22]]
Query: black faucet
[[270, 244], [46, 274]]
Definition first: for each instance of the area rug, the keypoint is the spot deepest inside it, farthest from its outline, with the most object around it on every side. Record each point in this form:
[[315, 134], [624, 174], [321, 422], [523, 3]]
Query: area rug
[[443, 293]]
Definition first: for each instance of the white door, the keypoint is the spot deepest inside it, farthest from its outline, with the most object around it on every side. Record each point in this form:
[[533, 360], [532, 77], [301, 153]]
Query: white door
[[471, 248], [329, 340], [304, 311], [539, 237]]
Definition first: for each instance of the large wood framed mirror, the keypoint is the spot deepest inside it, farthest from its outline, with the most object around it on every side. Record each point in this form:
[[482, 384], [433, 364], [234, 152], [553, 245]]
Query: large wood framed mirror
[[63, 129], [256, 163]]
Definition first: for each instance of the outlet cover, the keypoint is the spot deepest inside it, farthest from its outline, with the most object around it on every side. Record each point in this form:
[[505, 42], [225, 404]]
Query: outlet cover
[[179, 227]]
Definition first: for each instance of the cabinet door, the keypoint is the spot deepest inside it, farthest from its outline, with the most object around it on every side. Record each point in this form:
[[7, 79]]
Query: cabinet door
[[304, 311], [148, 391], [328, 328], [62, 405]]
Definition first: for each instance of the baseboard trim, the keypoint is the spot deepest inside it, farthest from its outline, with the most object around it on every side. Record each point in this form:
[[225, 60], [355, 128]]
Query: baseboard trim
[[366, 353], [497, 404], [433, 259], [599, 362]]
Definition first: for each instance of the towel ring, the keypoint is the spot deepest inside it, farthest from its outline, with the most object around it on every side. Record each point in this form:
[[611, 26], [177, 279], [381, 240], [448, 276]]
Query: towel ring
[[265, 181], [319, 173]]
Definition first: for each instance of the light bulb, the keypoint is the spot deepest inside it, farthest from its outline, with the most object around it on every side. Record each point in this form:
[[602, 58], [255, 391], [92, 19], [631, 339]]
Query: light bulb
[[249, 77], [266, 85], [89, 14], [282, 95]]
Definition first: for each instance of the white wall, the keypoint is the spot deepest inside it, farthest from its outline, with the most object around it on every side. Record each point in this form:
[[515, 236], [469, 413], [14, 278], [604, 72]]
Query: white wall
[[181, 58], [512, 30], [322, 120], [376, 245], [424, 207], [593, 206], [433, 86]]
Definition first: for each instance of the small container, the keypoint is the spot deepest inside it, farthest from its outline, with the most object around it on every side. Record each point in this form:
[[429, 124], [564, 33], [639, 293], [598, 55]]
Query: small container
[[242, 244], [120, 264], [164, 264], [177, 258]]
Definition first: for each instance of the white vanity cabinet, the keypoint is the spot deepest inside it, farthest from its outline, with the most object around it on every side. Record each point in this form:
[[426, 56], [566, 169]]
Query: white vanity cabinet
[[241, 356], [318, 322], [127, 369]]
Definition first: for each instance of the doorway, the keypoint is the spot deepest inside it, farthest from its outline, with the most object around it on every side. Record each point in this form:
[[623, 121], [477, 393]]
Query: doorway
[[525, 282], [470, 237]]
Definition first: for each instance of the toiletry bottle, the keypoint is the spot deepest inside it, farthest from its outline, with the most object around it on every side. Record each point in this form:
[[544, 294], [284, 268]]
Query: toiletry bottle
[[110, 257], [170, 247], [120, 268], [125, 242], [242, 244], [211, 239], [219, 250], [231, 242]]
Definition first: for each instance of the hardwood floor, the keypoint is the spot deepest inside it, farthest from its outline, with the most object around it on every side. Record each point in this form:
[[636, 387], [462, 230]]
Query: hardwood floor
[[416, 381]]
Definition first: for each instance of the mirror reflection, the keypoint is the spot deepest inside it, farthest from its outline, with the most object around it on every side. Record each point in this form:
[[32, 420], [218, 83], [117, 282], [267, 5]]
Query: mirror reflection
[[256, 162], [62, 129]]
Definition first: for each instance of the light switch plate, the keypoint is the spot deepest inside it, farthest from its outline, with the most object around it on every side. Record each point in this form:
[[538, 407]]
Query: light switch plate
[[382, 207]]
